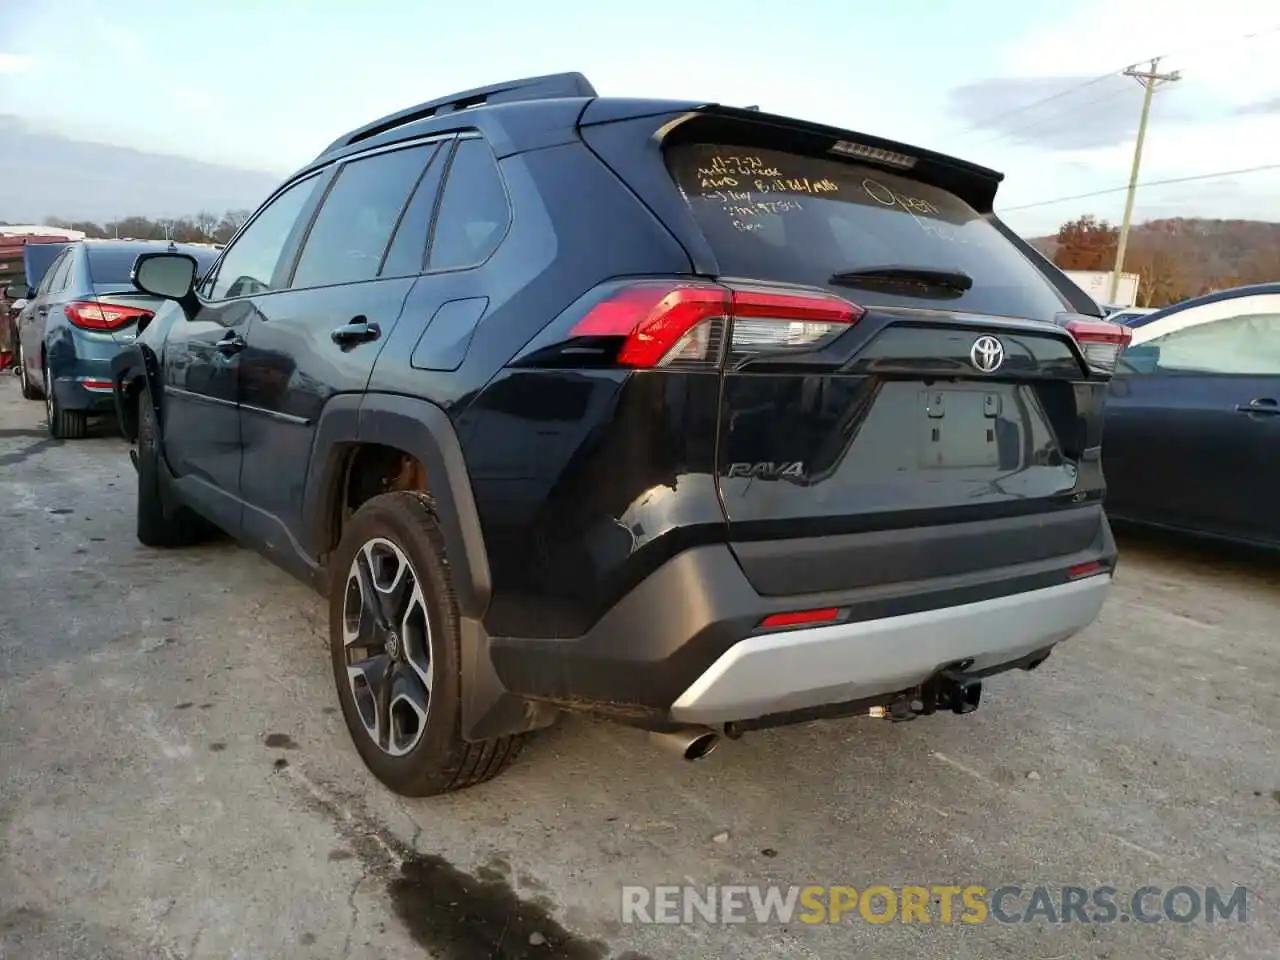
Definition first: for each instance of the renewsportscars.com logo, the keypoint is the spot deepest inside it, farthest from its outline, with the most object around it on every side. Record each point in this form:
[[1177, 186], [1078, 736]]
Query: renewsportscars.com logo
[[817, 904]]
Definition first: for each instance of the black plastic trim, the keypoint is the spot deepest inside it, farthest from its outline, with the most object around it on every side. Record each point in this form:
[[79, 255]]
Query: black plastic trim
[[641, 655], [851, 561], [425, 431]]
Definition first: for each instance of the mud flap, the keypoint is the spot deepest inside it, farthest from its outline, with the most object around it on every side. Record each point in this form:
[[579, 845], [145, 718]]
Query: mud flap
[[489, 710]]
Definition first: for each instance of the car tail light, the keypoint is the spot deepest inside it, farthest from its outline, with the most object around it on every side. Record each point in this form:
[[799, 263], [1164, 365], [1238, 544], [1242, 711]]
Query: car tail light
[[1100, 341], [676, 323], [91, 315]]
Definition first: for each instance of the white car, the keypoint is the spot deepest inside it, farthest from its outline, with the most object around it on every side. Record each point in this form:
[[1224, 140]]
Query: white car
[[1245, 307], [1127, 315]]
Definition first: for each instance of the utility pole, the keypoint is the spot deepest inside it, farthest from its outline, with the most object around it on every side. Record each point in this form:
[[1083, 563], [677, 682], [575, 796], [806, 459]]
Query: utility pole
[[1149, 79]]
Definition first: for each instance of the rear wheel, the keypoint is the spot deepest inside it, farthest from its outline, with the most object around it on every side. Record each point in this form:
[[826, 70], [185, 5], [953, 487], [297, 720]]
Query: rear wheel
[[158, 524], [29, 390], [395, 643], [63, 424]]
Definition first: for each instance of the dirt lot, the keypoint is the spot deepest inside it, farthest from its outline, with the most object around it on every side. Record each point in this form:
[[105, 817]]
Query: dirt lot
[[175, 781]]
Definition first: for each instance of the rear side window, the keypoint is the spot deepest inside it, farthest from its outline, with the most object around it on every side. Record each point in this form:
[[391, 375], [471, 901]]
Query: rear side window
[[788, 217], [474, 213], [1244, 345], [357, 218]]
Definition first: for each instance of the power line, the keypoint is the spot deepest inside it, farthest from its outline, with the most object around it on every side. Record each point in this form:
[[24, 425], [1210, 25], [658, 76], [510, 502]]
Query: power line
[[985, 124], [1075, 88], [1051, 117], [1149, 183]]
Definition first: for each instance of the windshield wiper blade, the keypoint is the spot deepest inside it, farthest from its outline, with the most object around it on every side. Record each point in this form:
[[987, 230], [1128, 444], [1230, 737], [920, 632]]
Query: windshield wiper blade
[[950, 280]]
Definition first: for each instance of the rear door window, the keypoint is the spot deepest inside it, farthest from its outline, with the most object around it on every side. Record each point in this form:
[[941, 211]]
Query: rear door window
[[351, 232], [782, 216], [1247, 344]]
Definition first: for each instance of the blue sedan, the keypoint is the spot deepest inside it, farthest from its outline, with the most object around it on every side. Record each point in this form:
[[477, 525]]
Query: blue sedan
[[84, 312]]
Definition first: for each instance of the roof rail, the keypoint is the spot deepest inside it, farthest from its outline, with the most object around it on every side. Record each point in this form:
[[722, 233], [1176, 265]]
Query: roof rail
[[551, 86]]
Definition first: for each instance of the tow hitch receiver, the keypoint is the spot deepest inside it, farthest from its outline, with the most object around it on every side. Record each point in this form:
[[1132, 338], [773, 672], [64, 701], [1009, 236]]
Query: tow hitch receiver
[[949, 689], [957, 691]]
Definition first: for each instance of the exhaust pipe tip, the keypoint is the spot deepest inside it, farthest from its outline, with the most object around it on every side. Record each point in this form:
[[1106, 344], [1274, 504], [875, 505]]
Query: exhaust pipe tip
[[694, 743], [702, 745]]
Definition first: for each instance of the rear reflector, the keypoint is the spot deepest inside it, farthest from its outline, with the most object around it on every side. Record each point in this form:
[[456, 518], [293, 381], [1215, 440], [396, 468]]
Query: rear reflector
[[676, 323], [91, 315], [1100, 341], [1084, 569], [798, 617]]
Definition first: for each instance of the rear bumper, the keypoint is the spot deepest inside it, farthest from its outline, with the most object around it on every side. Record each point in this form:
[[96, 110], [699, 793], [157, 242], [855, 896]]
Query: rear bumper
[[88, 389], [80, 367], [798, 669], [684, 646]]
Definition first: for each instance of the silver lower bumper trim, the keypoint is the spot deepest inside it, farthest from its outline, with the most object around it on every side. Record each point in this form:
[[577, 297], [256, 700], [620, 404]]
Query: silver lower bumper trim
[[797, 669]]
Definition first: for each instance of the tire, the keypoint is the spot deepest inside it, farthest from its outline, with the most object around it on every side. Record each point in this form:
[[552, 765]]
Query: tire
[[29, 391], [63, 424], [419, 755], [159, 526]]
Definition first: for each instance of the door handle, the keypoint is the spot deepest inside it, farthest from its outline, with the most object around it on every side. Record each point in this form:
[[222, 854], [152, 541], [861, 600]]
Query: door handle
[[1264, 405], [230, 344], [359, 330]]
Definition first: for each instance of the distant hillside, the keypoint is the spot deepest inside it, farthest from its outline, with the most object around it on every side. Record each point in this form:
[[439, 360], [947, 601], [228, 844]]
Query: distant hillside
[[1190, 256], [44, 175]]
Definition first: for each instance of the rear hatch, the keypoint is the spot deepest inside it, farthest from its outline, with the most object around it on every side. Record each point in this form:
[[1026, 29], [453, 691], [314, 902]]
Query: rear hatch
[[897, 373]]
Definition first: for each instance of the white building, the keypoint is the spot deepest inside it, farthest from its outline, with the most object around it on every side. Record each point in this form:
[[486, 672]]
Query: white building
[[36, 230]]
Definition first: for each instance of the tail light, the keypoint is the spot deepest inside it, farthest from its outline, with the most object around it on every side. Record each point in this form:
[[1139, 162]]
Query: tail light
[[91, 315], [1100, 341], [679, 324]]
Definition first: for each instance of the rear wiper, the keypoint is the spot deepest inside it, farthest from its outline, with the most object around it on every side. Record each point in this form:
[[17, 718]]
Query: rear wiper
[[952, 281]]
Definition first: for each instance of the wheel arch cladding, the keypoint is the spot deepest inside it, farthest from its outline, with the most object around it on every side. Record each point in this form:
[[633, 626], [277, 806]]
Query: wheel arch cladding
[[423, 431], [130, 372]]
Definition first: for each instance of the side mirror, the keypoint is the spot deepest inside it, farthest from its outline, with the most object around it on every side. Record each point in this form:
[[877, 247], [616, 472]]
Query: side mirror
[[17, 291], [168, 275]]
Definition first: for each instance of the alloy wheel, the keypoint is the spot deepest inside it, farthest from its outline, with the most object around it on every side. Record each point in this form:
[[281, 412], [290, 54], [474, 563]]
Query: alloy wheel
[[387, 641], [21, 362]]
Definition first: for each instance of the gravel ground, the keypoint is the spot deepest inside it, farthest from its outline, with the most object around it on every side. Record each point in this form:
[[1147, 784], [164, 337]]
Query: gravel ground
[[175, 781]]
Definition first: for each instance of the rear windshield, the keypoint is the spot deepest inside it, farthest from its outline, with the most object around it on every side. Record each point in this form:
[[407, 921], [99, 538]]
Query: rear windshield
[[111, 266], [774, 215]]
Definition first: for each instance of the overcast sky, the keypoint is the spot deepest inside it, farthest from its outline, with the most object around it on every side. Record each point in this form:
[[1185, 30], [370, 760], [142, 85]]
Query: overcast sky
[[267, 84]]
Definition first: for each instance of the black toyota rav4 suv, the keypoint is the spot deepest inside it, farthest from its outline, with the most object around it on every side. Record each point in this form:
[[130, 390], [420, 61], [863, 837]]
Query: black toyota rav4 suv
[[691, 416]]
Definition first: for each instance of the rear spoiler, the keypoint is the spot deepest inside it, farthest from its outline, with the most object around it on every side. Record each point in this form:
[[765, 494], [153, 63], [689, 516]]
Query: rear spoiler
[[973, 183]]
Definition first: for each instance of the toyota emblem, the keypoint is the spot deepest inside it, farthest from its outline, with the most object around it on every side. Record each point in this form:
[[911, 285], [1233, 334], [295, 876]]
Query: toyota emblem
[[987, 353]]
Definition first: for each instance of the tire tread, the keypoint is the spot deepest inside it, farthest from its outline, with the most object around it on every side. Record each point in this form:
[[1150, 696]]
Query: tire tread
[[463, 764]]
